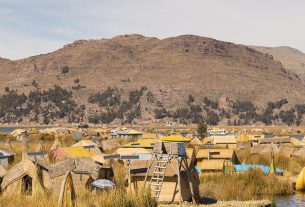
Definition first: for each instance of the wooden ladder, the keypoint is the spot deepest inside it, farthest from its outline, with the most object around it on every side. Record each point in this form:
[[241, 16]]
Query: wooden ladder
[[158, 175]]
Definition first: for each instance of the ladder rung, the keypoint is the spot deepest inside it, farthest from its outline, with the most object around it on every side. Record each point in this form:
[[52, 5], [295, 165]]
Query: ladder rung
[[162, 167], [163, 161], [156, 184], [154, 178], [161, 173], [155, 190]]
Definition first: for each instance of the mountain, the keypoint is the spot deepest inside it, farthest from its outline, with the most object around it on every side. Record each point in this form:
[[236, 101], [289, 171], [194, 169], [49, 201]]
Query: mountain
[[291, 58], [171, 69]]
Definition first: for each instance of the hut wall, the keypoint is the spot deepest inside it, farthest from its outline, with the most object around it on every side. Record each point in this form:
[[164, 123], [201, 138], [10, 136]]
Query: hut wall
[[79, 181], [170, 189], [13, 189]]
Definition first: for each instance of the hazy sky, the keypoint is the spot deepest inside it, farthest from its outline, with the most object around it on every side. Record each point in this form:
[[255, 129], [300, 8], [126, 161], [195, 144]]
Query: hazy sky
[[31, 27]]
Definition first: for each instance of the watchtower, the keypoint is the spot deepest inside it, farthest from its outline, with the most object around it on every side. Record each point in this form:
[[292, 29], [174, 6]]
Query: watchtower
[[164, 155]]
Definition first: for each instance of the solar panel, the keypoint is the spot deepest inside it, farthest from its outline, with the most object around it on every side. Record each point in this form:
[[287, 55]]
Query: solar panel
[[129, 157], [89, 147], [31, 154], [111, 157], [214, 153]]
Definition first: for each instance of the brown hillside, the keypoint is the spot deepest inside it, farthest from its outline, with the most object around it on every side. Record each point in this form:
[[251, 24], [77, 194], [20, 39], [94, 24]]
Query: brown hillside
[[292, 59], [171, 68]]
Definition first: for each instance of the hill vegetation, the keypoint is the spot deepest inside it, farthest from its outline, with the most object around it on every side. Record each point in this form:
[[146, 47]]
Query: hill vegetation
[[137, 79]]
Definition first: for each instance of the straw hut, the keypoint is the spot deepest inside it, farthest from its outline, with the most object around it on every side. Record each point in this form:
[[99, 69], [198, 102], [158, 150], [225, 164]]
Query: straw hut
[[150, 136], [84, 172], [216, 154], [196, 142], [287, 151], [141, 143], [57, 143], [227, 141], [40, 148], [299, 153], [278, 141], [6, 156], [213, 165], [83, 143], [2, 173], [244, 145], [169, 192], [264, 149], [21, 179], [60, 154], [109, 145]]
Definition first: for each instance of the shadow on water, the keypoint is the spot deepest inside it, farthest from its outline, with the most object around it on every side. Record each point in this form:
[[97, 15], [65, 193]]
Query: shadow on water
[[297, 199]]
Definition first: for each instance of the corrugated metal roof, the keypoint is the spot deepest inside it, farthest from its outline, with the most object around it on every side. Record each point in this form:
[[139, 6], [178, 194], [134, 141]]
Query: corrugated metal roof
[[6, 152]]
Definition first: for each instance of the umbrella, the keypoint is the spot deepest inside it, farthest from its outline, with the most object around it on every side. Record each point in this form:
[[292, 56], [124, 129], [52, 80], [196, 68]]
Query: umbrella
[[103, 184]]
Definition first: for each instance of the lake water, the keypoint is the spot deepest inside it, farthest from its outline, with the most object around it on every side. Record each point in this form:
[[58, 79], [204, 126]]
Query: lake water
[[7, 129], [295, 200]]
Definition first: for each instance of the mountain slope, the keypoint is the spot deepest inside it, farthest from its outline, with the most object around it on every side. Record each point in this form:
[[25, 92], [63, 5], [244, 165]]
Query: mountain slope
[[292, 59], [170, 68]]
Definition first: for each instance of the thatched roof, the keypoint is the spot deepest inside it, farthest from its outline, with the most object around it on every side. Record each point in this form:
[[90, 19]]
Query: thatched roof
[[61, 168], [109, 145], [79, 165], [227, 139], [196, 141], [244, 145], [299, 153], [83, 143], [223, 153], [40, 161], [56, 144], [25, 167], [212, 164], [276, 140], [264, 149], [287, 151], [40, 148], [2, 171]]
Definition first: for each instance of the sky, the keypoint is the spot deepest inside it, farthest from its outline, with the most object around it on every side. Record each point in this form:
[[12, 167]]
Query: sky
[[32, 27]]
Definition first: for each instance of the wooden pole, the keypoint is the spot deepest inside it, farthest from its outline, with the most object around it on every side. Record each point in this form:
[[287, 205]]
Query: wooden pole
[[129, 175], [189, 179], [179, 179]]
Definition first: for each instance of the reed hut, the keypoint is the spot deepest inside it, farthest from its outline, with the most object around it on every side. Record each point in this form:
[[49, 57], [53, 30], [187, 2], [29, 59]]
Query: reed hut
[[169, 192], [264, 149], [84, 172], [214, 160], [299, 153], [2, 173], [20, 179], [109, 145]]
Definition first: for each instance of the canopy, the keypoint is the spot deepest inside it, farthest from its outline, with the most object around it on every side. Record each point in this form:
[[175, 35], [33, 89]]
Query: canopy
[[175, 138], [103, 184]]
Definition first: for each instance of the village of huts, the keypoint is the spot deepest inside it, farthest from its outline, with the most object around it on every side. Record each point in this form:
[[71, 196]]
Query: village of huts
[[171, 163]]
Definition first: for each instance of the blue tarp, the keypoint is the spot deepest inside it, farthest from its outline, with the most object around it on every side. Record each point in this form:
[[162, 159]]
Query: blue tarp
[[265, 169]]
